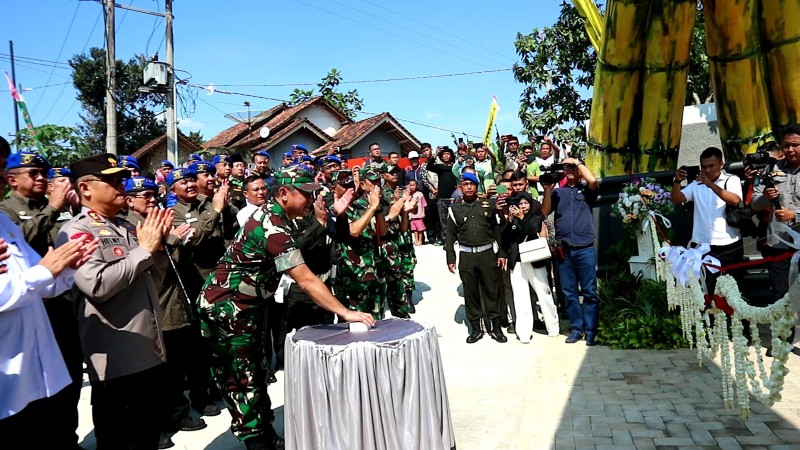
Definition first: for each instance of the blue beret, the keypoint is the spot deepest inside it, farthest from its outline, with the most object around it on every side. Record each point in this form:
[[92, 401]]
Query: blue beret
[[167, 163], [299, 147], [304, 159], [58, 172], [222, 159], [466, 176], [325, 160], [128, 162], [26, 159], [263, 153], [193, 157], [288, 155], [171, 200], [179, 174], [203, 167], [138, 184]]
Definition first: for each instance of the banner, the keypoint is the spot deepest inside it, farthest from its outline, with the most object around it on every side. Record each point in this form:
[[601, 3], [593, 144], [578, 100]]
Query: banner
[[487, 134], [24, 110]]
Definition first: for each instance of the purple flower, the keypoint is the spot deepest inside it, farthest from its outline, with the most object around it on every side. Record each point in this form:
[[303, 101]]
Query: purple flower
[[650, 186], [658, 198]]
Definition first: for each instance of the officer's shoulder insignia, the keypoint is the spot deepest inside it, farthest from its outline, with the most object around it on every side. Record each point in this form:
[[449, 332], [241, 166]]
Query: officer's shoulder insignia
[[96, 224], [22, 213], [485, 204], [778, 173], [104, 232], [94, 215]]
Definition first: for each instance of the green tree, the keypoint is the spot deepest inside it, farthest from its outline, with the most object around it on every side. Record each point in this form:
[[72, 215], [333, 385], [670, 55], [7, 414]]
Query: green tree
[[62, 145], [196, 138], [138, 114], [557, 66], [349, 102]]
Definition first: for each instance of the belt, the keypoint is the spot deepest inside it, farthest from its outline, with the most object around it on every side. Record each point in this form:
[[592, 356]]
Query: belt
[[478, 249]]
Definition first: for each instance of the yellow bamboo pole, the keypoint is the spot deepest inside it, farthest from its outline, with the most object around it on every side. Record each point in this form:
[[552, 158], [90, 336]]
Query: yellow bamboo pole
[[780, 31], [592, 20]]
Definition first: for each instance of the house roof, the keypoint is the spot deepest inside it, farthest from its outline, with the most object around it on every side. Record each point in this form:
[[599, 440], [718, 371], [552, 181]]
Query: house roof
[[236, 132], [183, 141], [295, 125], [354, 132]]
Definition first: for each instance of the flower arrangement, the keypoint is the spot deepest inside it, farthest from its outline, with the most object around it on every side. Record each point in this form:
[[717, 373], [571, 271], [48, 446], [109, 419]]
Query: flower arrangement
[[637, 200]]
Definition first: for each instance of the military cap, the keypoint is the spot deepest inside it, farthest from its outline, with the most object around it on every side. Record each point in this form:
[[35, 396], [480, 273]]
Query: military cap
[[192, 157], [466, 176], [128, 162], [370, 173], [236, 158], [167, 163], [139, 184], [263, 153], [203, 167], [330, 159], [26, 159], [300, 147], [179, 174], [103, 164], [302, 159], [288, 155], [221, 159], [345, 178], [299, 176], [389, 168], [57, 172]]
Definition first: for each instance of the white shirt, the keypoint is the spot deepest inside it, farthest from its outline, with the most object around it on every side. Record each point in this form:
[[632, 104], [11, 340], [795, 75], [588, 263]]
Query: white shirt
[[245, 213], [710, 226], [31, 365]]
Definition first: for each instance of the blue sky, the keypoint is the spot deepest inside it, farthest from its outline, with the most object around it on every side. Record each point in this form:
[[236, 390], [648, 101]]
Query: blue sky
[[288, 42]]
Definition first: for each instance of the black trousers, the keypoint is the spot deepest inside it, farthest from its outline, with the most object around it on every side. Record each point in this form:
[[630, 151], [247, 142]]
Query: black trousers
[[479, 273], [778, 272], [187, 363], [275, 332], [726, 254], [37, 425], [433, 229], [127, 410], [301, 311], [64, 404]]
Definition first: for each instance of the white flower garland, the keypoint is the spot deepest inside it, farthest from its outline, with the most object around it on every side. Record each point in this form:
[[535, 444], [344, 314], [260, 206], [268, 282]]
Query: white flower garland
[[698, 330]]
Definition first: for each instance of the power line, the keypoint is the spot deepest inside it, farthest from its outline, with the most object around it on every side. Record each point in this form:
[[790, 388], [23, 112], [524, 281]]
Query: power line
[[433, 38], [60, 50], [438, 28], [389, 32], [421, 77], [19, 64], [52, 66], [32, 60], [39, 87]]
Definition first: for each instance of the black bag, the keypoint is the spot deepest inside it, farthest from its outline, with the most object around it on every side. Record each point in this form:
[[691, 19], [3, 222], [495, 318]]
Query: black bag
[[741, 217]]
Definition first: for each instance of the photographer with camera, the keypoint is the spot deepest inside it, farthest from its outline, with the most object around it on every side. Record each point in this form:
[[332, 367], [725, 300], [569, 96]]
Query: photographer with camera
[[447, 184], [571, 204], [712, 192], [775, 192]]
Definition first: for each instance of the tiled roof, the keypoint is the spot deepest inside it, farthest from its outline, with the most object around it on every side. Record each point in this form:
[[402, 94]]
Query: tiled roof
[[280, 120], [183, 141], [229, 136], [287, 130], [352, 133]]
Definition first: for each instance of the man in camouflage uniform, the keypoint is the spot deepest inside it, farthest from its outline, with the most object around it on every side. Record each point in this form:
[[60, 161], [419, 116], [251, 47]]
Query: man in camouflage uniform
[[237, 181], [232, 305], [390, 260]]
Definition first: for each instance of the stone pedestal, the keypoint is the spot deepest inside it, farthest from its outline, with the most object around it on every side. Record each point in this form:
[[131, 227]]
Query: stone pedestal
[[645, 262]]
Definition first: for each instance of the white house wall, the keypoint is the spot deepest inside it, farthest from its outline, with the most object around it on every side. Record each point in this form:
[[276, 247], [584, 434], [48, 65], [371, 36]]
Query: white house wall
[[322, 118], [388, 144]]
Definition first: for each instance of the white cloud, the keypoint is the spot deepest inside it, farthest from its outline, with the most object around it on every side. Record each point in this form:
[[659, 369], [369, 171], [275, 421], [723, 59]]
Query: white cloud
[[188, 124]]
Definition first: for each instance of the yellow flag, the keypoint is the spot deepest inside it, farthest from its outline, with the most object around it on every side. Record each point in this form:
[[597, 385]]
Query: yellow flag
[[487, 135]]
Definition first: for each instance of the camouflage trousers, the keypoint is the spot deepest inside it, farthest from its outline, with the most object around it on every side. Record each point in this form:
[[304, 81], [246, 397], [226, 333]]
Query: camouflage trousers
[[361, 295], [239, 365], [389, 268], [408, 261]]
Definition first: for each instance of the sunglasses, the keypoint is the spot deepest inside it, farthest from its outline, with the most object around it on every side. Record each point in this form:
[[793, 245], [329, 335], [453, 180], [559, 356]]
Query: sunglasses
[[33, 173]]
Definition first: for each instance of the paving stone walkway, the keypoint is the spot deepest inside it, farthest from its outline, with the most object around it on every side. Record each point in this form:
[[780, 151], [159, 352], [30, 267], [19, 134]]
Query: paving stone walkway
[[548, 394]]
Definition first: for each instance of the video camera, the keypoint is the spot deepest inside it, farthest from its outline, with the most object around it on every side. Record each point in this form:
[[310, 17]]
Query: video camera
[[552, 174], [758, 160]]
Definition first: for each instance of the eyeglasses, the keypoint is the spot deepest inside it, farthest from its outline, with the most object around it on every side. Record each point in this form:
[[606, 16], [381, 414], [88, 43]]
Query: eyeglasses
[[33, 173], [146, 195]]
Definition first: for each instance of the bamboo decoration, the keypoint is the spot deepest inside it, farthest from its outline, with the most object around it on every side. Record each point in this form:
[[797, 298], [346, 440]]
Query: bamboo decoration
[[616, 86], [737, 73], [780, 31], [665, 75]]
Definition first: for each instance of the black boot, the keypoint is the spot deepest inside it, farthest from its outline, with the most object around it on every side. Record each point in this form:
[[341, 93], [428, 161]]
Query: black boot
[[410, 298], [497, 332], [477, 333]]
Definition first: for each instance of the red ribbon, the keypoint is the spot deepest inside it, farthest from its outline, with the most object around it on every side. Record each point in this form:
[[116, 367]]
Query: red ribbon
[[719, 303]]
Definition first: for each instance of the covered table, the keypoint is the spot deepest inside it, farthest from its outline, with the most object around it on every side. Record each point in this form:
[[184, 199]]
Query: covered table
[[376, 390]]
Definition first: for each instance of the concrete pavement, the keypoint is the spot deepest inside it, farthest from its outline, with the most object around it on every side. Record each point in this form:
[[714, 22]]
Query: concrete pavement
[[548, 394]]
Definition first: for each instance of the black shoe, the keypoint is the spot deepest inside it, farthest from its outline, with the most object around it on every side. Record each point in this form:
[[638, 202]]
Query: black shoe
[[192, 424], [164, 441], [511, 329], [264, 443], [496, 332], [477, 333], [272, 378], [278, 443], [573, 337], [210, 410], [411, 308]]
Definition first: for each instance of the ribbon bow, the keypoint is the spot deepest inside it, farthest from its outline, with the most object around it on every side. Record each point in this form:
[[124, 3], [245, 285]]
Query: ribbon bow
[[651, 214], [686, 262]]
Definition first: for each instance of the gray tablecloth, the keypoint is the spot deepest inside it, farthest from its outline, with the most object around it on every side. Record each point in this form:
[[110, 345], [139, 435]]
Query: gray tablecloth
[[382, 389]]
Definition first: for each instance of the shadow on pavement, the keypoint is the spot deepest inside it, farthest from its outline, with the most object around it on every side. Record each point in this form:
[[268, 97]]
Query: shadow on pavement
[[419, 288]]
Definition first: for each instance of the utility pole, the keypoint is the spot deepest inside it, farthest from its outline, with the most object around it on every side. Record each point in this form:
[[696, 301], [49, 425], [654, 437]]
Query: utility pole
[[111, 79], [172, 119], [14, 82]]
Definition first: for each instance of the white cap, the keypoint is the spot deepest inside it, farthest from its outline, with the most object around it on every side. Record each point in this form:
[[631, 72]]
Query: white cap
[[413, 154]]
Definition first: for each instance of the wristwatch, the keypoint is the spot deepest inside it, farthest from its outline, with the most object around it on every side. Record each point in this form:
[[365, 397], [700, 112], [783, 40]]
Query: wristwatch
[[676, 181]]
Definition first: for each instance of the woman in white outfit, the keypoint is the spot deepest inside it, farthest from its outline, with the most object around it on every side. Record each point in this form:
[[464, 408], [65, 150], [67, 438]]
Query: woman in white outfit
[[525, 223]]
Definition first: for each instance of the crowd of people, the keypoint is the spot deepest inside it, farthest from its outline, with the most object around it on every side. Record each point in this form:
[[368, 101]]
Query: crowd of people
[[189, 278]]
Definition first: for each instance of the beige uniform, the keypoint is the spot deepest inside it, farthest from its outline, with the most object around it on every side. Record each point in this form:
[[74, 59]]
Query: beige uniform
[[35, 218], [117, 299]]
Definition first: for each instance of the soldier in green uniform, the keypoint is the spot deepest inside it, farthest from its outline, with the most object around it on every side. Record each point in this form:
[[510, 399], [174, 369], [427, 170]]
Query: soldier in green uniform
[[232, 305], [357, 279], [390, 259], [473, 222], [237, 181]]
